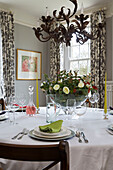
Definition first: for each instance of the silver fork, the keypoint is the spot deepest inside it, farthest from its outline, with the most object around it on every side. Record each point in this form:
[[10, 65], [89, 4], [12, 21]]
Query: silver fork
[[78, 136], [25, 133], [83, 135], [19, 133]]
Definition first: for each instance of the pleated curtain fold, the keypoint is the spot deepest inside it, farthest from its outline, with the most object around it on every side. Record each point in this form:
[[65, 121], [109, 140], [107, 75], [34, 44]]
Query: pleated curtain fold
[[54, 58], [7, 35], [98, 54]]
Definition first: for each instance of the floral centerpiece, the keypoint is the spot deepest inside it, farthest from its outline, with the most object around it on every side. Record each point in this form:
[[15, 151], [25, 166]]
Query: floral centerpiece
[[68, 85]]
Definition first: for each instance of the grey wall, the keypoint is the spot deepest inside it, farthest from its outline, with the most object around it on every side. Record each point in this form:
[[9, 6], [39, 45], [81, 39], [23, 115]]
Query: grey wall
[[26, 40], [109, 45]]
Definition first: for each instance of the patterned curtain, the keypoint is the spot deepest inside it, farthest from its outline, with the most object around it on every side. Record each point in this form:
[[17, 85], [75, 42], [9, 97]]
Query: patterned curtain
[[7, 33], [98, 54], [54, 59]]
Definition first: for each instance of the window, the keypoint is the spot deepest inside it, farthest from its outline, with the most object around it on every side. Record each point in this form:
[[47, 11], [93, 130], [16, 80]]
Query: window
[[76, 57]]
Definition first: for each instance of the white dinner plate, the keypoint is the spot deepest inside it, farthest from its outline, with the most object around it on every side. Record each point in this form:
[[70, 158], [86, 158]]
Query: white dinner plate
[[109, 131], [110, 112], [37, 130], [110, 127], [59, 135], [3, 117], [51, 138]]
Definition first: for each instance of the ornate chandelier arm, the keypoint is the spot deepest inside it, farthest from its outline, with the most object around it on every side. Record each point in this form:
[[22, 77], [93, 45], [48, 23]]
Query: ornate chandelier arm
[[40, 36], [81, 38], [62, 16], [75, 9]]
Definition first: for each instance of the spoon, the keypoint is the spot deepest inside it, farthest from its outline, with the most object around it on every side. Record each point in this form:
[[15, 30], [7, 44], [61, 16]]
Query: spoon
[[23, 131]]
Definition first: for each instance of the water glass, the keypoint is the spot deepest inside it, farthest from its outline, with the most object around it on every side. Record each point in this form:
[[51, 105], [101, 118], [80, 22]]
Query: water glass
[[80, 111], [52, 110], [10, 105], [22, 100], [70, 107]]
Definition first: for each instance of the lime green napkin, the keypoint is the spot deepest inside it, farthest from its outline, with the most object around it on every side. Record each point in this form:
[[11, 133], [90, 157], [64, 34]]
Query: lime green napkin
[[52, 128]]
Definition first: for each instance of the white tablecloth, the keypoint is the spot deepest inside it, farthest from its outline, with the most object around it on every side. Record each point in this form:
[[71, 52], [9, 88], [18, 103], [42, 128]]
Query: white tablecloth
[[95, 155]]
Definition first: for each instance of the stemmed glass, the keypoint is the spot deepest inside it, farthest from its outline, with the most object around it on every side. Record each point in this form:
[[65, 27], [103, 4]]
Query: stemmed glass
[[70, 107], [70, 111], [22, 100], [80, 111], [1, 92], [10, 105], [94, 98]]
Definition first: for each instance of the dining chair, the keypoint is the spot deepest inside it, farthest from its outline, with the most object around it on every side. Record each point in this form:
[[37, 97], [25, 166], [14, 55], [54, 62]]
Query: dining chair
[[38, 153], [2, 103]]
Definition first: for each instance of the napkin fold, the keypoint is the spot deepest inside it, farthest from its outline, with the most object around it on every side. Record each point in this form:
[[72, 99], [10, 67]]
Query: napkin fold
[[20, 106], [52, 127]]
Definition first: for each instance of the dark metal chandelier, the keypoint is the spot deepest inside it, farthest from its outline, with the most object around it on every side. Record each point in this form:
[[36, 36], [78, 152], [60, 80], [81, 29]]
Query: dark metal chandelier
[[53, 28]]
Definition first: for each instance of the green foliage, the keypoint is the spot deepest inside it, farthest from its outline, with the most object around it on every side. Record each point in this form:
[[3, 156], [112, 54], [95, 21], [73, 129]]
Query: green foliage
[[67, 83]]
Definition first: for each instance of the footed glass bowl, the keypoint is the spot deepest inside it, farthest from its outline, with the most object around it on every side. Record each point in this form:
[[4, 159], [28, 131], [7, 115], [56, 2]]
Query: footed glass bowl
[[80, 96]]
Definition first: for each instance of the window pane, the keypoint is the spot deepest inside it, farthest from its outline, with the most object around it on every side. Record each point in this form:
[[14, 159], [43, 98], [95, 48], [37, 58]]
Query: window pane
[[83, 67], [89, 67], [73, 40], [75, 52], [84, 53], [74, 65]]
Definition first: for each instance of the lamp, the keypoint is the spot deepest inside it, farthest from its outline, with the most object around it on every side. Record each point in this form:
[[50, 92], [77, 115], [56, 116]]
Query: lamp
[[63, 33]]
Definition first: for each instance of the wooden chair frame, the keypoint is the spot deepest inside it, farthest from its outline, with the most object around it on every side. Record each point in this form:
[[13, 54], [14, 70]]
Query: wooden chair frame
[[2, 103], [56, 153]]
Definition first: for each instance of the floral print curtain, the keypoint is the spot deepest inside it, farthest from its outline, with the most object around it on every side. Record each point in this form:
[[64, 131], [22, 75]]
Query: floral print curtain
[[54, 59], [7, 33], [98, 54]]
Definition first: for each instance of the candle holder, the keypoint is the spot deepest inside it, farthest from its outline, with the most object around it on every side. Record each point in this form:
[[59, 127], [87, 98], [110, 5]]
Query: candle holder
[[105, 116]]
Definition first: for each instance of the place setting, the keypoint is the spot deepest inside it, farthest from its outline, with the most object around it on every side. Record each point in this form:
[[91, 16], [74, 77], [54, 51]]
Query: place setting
[[52, 132], [109, 129]]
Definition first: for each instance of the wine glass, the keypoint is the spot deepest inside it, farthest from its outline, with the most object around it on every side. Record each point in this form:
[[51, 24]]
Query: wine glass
[[70, 111], [70, 107], [96, 94], [14, 108], [92, 98], [80, 111], [1, 92], [22, 100], [10, 105]]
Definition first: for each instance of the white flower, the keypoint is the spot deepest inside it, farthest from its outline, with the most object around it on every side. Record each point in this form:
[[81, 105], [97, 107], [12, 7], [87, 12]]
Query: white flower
[[41, 84], [60, 81], [56, 87], [66, 90], [81, 84], [88, 85]]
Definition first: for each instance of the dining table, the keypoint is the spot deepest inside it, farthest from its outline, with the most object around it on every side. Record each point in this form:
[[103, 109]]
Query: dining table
[[96, 154]]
